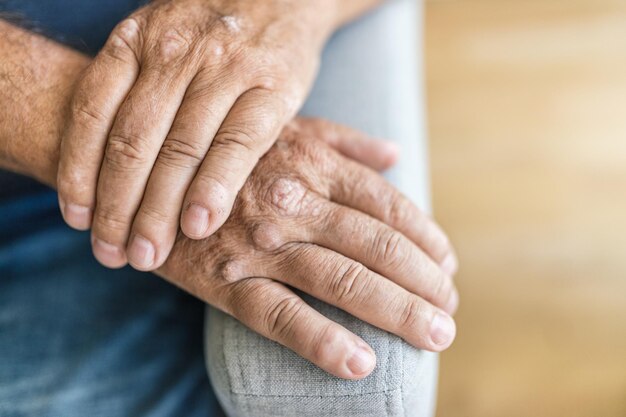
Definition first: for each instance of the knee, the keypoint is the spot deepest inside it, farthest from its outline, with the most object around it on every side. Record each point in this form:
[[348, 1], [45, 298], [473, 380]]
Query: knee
[[255, 377]]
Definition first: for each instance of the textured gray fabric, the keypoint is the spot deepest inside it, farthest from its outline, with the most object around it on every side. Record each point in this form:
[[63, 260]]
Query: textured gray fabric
[[368, 80]]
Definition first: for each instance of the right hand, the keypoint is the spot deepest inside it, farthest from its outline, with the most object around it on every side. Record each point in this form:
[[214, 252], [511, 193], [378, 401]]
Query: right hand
[[311, 219]]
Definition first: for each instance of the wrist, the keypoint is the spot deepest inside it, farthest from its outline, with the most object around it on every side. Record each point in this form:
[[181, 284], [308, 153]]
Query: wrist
[[36, 82]]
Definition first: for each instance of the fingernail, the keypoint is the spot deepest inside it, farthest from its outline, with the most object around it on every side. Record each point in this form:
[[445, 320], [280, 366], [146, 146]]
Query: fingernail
[[442, 329], [362, 361], [107, 254], [78, 217], [453, 302], [195, 221], [141, 252], [449, 264]]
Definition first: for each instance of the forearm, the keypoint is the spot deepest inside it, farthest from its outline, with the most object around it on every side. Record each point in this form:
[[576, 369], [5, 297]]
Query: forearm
[[37, 77]]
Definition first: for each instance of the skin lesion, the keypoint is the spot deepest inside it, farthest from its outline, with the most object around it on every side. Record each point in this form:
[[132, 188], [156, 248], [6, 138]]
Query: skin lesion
[[266, 236], [288, 196]]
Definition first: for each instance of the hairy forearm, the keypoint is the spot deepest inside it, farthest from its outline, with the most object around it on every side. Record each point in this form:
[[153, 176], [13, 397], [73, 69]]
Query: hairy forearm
[[37, 77]]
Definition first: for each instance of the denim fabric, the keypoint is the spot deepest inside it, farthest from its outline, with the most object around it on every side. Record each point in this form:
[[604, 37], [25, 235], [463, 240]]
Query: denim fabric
[[368, 80], [77, 339]]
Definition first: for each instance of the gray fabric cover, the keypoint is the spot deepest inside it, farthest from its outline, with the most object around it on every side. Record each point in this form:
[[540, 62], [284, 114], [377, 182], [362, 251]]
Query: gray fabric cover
[[368, 80]]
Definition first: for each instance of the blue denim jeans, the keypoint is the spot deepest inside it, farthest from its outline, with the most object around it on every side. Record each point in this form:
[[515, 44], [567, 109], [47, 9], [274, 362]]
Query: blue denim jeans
[[79, 340]]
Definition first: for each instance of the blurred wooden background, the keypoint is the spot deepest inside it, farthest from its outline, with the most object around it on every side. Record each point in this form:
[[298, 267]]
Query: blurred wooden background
[[527, 102]]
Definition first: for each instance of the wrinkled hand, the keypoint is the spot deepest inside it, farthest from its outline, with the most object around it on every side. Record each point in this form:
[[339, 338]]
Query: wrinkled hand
[[311, 219], [173, 114]]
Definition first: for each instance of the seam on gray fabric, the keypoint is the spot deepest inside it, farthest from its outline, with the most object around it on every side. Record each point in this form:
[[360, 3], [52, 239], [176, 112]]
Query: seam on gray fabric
[[387, 395], [242, 379], [402, 367], [223, 353], [315, 396]]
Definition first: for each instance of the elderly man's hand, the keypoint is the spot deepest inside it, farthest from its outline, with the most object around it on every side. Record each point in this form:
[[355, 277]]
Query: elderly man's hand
[[311, 219], [175, 111]]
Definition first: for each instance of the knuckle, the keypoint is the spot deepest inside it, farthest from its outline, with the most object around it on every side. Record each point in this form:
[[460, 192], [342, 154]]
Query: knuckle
[[239, 138], [266, 237], [349, 281], [179, 153], [398, 209], [388, 249], [216, 49], [231, 23], [315, 153], [443, 289], [124, 40], [172, 45], [231, 270], [282, 315], [410, 315], [289, 197], [86, 115], [111, 220], [125, 151], [153, 215]]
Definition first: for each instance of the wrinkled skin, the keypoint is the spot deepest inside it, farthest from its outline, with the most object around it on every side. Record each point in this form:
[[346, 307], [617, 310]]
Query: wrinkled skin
[[173, 114], [312, 219]]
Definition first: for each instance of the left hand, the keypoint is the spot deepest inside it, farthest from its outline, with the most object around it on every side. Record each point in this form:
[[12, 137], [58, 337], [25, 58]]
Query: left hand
[[173, 114], [313, 220]]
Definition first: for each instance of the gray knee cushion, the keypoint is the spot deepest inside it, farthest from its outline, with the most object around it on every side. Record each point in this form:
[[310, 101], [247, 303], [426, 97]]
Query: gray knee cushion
[[255, 377]]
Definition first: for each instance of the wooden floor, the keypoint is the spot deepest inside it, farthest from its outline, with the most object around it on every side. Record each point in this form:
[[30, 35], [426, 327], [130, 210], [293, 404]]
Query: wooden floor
[[527, 102]]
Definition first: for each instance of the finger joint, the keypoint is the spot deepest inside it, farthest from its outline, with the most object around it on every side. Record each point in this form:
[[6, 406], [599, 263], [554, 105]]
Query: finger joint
[[108, 219], [349, 282], [282, 315], [240, 139], [409, 316], [388, 249], [124, 40], [180, 153], [125, 151]]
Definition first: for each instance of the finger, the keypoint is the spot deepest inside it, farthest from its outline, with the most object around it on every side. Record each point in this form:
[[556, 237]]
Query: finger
[[375, 153], [154, 229], [274, 311], [140, 128], [360, 189], [384, 250], [96, 101], [349, 285], [248, 131]]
